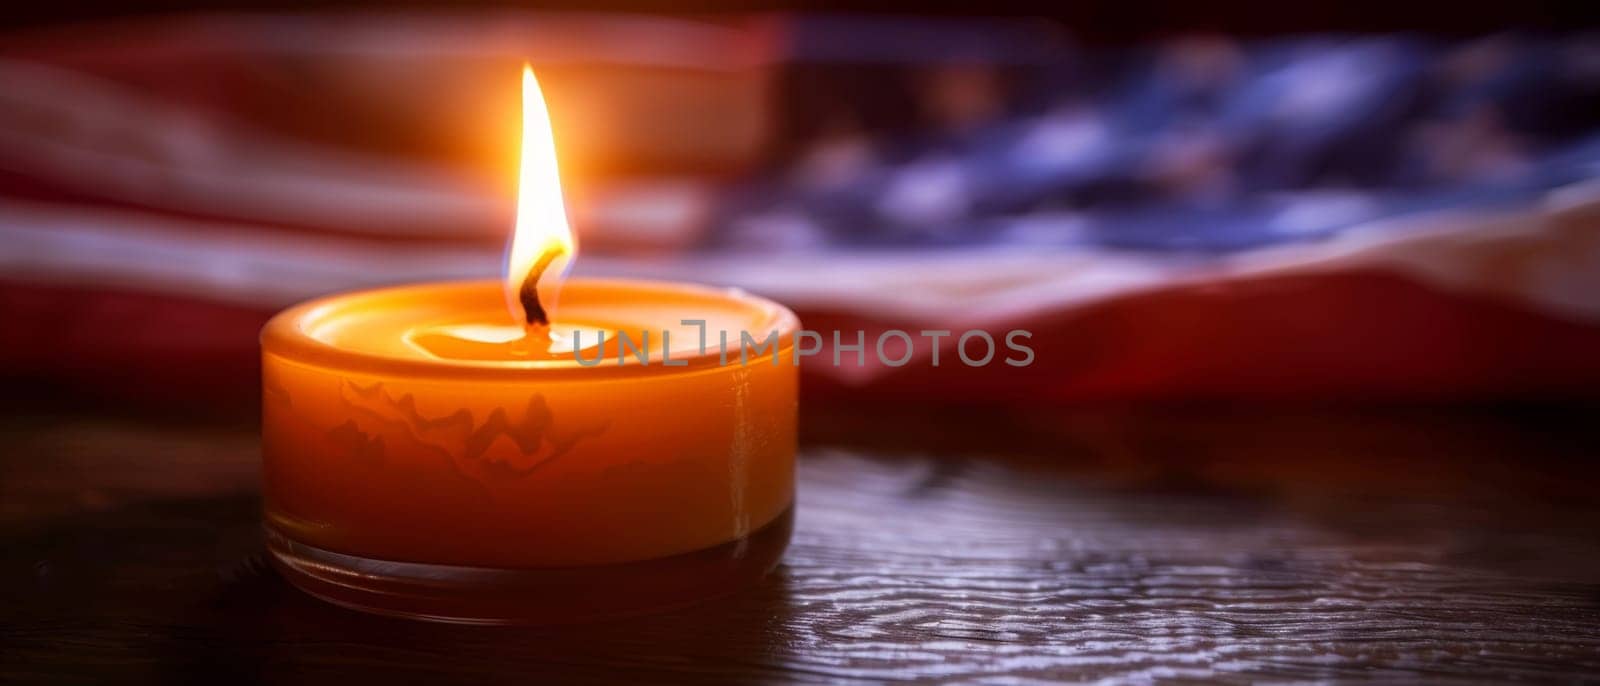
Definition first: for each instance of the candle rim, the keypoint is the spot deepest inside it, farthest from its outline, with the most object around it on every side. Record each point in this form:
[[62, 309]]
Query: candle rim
[[285, 335]]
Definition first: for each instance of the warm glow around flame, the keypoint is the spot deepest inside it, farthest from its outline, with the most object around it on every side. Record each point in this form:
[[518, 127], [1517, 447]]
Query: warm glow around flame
[[541, 216]]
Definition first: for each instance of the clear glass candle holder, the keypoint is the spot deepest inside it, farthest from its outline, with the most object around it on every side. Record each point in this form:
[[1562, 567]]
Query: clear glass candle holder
[[413, 469]]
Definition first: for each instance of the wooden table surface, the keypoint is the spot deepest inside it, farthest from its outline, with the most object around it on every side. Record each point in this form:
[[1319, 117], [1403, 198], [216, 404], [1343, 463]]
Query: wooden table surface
[[1180, 544]]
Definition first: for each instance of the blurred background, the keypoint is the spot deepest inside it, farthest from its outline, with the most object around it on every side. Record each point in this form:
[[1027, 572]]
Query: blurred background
[[1352, 201]]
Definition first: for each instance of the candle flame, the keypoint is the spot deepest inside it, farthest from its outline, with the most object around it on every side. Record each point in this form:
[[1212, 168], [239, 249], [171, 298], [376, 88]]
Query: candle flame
[[542, 246]]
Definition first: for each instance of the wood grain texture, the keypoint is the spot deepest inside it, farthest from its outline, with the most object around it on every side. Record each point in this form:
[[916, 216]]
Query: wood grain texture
[[1179, 547]]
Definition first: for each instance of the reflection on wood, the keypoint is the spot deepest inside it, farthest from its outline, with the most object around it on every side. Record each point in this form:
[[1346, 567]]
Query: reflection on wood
[[130, 557]]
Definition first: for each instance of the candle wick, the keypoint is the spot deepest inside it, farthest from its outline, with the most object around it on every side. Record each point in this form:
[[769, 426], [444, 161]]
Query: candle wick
[[532, 309]]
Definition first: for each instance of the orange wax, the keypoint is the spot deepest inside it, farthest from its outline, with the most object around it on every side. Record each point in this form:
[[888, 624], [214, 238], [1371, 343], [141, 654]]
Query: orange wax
[[401, 426]]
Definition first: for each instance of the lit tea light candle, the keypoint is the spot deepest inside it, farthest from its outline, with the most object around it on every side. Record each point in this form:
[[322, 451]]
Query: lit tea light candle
[[531, 449]]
